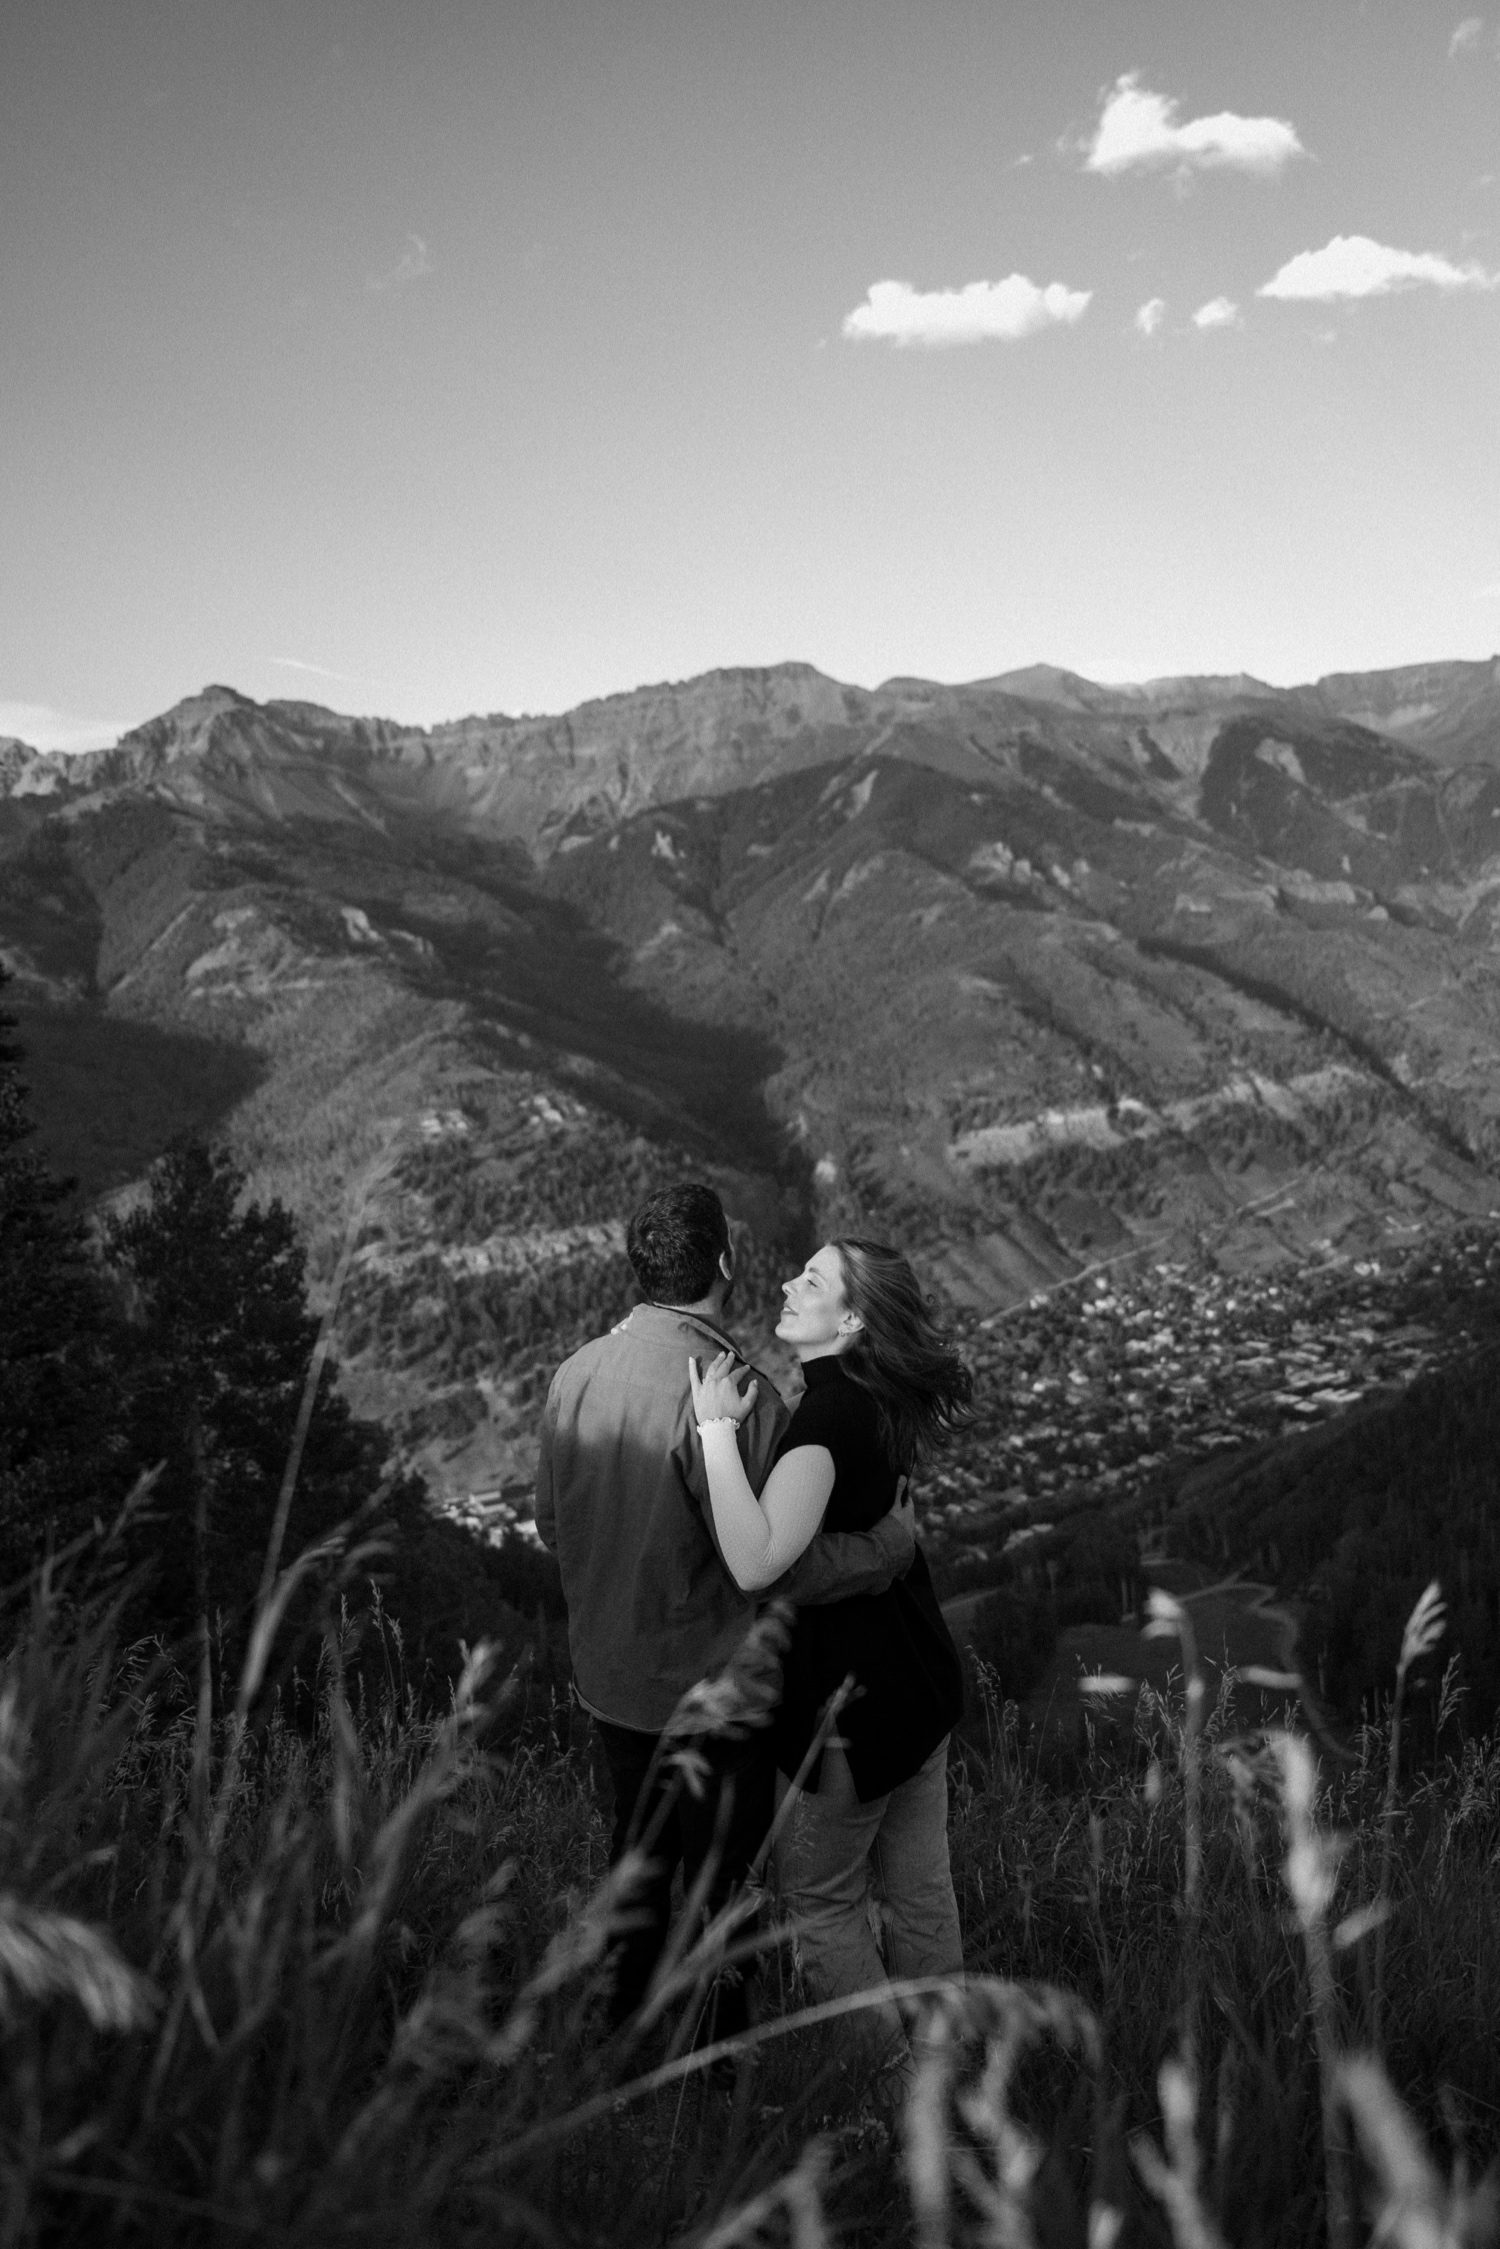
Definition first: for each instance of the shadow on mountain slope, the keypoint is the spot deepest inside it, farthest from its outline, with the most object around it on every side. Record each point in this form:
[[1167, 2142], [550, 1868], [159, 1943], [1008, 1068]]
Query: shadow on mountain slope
[[557, 983], [109, 1095], [468, 923]]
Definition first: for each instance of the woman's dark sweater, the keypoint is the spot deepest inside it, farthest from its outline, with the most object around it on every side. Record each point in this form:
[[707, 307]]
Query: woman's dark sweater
[[909, 1681]]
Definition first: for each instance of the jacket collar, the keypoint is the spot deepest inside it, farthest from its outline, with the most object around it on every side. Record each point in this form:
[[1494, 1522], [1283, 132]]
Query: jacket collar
[[662, 1319]]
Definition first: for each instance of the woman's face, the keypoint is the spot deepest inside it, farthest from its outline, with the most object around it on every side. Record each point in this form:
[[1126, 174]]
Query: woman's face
[[815, 1316]]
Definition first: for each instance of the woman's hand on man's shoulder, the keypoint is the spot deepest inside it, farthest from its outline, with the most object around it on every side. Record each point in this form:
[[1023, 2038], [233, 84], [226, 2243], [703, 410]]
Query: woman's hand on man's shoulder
[[716, 1391]]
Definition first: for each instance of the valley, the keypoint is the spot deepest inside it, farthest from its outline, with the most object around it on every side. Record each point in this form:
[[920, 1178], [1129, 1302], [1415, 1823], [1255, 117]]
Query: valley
[[1161, 1025]]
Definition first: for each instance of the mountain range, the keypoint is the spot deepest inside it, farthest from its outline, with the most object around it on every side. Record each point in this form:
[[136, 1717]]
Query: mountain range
[[1033, 975]]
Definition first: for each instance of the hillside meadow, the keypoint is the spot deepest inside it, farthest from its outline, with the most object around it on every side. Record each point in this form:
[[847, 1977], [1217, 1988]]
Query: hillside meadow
[[322, 1963]]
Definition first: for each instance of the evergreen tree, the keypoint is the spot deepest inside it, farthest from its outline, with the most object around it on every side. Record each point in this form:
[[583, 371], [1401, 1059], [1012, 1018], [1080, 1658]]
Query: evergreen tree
[[59, 1455], [222, 1340], [188, 1352]]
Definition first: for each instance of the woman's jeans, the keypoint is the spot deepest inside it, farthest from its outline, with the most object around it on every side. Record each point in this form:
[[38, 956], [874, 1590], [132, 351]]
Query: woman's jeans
[[834, 1850]]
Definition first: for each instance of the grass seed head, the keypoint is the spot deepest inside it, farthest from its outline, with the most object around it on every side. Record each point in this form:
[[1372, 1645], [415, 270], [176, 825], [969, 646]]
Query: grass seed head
[[45, 1957], [1424, 1627], [1165, 1616], [1413, 2206]]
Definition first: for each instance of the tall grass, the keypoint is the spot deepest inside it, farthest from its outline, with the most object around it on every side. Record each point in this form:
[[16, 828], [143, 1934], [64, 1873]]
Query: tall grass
[[340, 1980]]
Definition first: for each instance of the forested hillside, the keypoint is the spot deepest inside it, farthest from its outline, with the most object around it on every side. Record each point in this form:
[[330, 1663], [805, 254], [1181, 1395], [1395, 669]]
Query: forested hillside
[[153, 1381], [1354, 1520]]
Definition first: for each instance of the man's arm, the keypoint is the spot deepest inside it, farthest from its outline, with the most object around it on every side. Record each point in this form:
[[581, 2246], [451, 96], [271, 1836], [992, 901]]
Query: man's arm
[[839, 1564], [546, 1497]]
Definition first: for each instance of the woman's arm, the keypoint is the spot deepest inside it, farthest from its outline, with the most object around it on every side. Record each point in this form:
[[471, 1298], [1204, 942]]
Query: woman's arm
[[761, 1538], [758, 1538]]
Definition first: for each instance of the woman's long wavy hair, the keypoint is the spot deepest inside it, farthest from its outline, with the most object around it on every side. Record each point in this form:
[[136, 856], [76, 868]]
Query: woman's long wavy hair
[[901, 1357]]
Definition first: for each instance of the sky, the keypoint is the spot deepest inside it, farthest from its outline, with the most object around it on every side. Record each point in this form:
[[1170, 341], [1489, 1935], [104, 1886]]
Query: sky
[[428, 359]]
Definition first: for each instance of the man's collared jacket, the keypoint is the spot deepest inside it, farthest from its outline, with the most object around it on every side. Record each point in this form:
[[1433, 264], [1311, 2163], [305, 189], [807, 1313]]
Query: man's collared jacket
[[622, 1500]]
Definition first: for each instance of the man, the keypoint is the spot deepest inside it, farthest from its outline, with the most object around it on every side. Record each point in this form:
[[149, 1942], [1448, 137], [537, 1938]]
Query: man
[[622, 1499]]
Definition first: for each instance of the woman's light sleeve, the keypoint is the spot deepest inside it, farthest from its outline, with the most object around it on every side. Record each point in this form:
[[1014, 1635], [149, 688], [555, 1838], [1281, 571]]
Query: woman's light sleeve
[[761, 1538]]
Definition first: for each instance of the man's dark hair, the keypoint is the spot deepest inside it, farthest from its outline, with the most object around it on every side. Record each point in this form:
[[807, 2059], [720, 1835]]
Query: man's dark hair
[[674, 1243]]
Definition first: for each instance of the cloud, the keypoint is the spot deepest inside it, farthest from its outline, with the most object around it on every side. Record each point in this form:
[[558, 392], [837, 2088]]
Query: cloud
[[318, 671], [1488, 593], [1139, 129], [410, 266], [1150, 315], [1219, 312], [981, 312], [1466, 36], [1352, 265], [47, 728]]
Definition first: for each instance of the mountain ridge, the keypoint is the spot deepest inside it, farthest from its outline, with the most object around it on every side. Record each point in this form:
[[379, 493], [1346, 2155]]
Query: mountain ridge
[[1411, 696], [548, 783]]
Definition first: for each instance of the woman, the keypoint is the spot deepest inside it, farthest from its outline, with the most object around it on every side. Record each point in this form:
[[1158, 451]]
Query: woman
[[883, 1387]]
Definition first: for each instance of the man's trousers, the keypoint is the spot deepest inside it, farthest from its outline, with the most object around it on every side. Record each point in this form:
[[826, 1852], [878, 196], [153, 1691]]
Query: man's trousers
[[740, 1793]]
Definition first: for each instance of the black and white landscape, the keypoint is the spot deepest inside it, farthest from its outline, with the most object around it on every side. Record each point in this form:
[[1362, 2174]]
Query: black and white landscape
[[501, 357]]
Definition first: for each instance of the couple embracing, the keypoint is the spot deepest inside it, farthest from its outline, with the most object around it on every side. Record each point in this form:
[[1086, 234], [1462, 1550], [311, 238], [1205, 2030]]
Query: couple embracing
[[677, 1494]]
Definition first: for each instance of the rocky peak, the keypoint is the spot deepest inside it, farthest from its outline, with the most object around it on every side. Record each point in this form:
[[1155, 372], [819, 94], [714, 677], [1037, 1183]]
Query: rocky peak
[[1049, 683], [190, 727], [28, 772]]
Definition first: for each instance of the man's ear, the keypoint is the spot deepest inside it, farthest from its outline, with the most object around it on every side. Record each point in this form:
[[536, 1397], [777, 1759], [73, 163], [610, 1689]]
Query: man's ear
[[726, 1263]]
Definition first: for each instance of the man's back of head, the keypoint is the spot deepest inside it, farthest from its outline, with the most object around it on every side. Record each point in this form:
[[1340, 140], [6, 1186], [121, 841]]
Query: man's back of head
[[678, 1246]]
